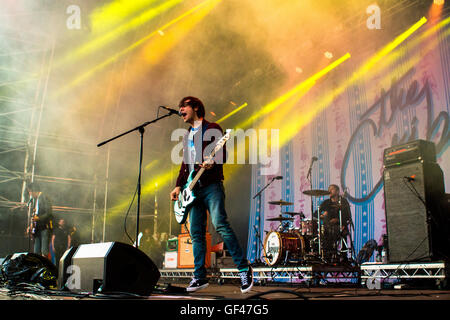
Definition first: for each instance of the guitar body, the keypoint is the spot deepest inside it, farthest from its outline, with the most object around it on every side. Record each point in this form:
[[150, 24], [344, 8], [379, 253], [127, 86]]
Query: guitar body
[[185, 202]]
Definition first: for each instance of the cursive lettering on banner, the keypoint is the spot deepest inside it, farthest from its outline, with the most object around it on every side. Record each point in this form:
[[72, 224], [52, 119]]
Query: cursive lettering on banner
[[398, 101]]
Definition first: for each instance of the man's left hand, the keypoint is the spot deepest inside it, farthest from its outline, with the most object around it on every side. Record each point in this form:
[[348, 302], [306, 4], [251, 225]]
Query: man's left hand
[[207, 164]]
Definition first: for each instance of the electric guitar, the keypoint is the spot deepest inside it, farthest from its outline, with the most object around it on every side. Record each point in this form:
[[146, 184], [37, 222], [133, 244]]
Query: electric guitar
[[187, 197], [32, 226]]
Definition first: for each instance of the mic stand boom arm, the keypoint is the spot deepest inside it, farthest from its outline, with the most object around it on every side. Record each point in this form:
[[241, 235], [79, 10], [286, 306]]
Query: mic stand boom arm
[[141, 132]]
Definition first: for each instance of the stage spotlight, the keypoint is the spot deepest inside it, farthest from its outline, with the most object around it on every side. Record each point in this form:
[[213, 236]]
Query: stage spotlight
[[439, 2], [298, 70], [328, 55]]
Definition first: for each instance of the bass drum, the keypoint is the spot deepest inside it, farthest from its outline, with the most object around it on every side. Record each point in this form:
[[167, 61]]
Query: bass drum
[[283, 247]]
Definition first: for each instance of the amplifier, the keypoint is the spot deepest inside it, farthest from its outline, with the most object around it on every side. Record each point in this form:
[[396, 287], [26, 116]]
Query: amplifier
[[186, 254], [417, 150], [416, 226], [170, 260], [172, 244]]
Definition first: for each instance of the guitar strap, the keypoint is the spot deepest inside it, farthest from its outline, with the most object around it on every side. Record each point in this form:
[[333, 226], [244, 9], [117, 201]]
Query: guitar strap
[[204, 128]]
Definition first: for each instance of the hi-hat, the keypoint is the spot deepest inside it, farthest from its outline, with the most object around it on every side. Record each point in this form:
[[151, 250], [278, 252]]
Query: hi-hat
[[281, 203], [316, 193]]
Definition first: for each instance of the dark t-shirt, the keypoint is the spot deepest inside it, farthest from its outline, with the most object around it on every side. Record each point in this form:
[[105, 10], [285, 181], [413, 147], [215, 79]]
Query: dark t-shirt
[[333, 211], [61, 235]]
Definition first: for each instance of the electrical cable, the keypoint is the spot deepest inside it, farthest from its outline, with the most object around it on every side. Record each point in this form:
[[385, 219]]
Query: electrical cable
[[430, 216], [261, 294], [126, 216]]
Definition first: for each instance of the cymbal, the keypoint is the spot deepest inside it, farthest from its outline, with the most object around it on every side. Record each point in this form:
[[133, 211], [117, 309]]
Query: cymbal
[[280, 219], [316, 193], [281, 203]]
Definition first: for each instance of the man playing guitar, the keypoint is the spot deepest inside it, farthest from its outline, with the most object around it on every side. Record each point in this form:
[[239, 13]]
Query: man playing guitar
[[210, 195], [41, 220]]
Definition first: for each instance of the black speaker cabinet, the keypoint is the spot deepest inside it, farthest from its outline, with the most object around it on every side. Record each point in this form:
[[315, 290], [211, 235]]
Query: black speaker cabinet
[[414, 221], [109, 267]]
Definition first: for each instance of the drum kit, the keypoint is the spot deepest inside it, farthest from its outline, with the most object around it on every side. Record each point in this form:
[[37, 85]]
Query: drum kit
[[289, 244]]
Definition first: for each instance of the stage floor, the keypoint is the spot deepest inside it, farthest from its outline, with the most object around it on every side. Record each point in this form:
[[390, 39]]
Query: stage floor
[[231, 291], [225, 301]]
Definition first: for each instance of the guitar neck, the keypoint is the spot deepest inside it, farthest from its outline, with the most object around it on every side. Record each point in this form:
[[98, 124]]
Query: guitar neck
[[197, 176], [211, 156]]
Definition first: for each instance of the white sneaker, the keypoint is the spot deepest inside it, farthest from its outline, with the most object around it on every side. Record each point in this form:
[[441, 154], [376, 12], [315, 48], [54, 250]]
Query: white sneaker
[[197, 284]]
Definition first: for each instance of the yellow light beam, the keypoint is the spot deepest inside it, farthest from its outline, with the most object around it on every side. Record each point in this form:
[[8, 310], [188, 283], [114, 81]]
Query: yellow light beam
[[394, 56], [148, 188], [292, 127], [232, 112], [83, 77], [103, 40], [156, 49], [106, 17], [300, 87], [389, 48]]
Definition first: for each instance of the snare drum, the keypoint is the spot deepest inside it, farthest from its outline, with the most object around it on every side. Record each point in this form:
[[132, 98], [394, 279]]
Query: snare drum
[[309, 228], [283, 247]]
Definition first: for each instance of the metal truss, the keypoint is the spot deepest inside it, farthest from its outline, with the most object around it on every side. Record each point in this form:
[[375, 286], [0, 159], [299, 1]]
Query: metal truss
[[26, 59], [366, 274], [302, 274], [389, 272]]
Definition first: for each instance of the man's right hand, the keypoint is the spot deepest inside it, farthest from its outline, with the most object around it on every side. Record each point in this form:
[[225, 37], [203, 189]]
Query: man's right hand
[[174, 194]]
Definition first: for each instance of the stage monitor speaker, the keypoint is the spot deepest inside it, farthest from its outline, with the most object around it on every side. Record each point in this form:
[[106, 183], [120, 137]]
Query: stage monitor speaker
[[109, 267], [414, 222]]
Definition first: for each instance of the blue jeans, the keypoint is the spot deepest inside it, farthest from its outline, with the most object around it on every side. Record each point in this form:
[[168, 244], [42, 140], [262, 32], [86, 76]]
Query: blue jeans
[[42, 242], [212, 198]]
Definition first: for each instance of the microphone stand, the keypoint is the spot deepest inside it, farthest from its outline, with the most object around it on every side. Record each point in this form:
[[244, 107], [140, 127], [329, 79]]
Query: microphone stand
[[257, 260], [141, 132], [30, 222], [352, 226], [308, 177]]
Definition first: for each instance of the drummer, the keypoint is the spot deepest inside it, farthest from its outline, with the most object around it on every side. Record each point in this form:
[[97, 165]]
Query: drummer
[[330, 216]]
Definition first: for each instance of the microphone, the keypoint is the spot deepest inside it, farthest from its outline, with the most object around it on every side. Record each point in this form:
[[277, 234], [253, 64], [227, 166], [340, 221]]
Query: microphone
[[411, 178], [171, 111], [310, 166], [278, 178], [29, 201]]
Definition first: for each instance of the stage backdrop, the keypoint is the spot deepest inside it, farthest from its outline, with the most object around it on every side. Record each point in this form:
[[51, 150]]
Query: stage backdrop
[[404, 97]]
